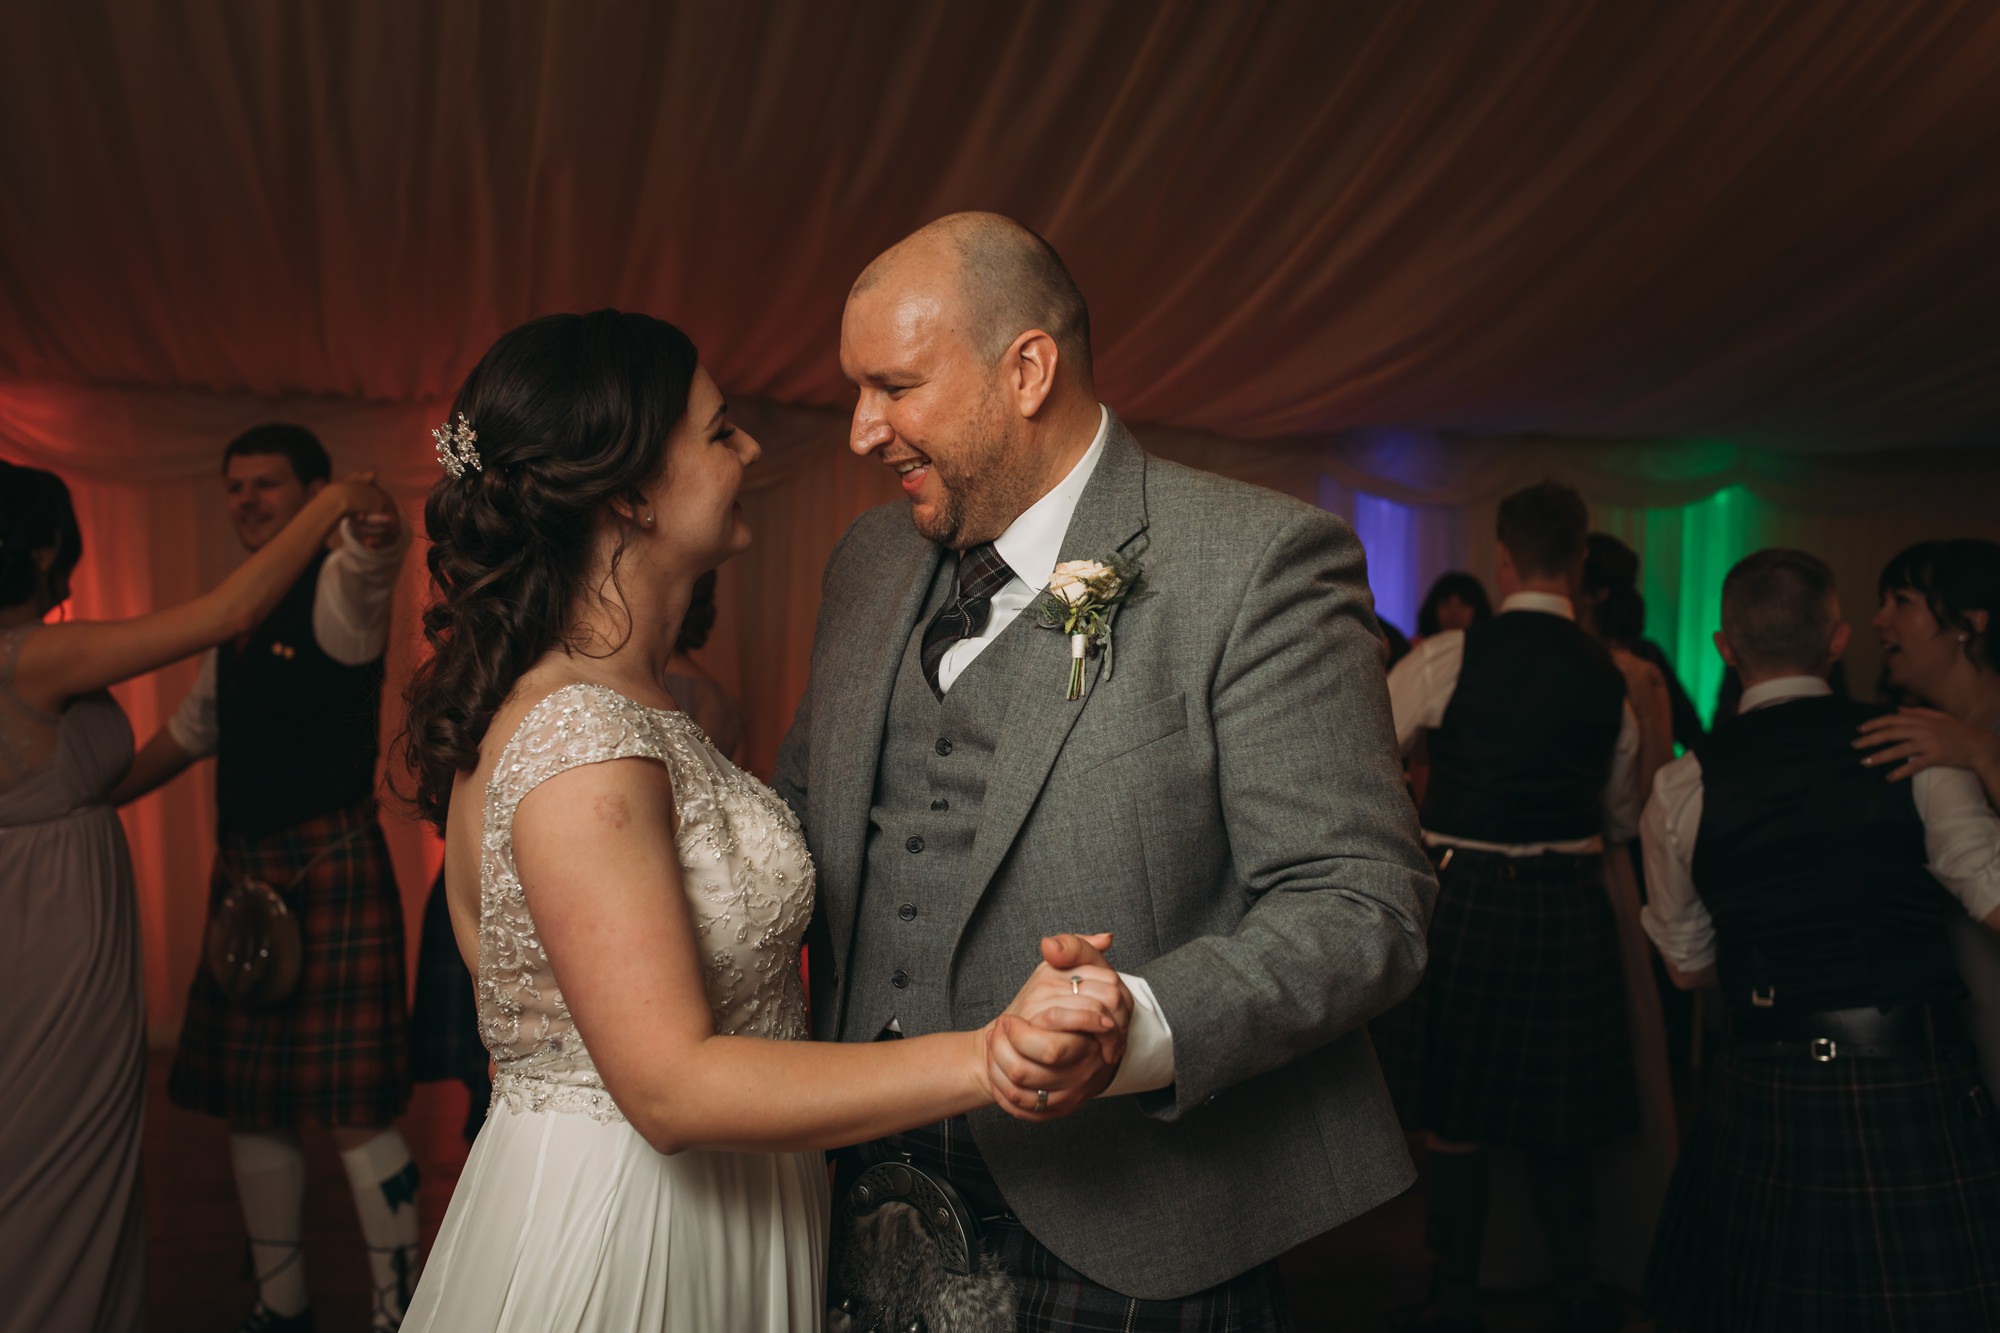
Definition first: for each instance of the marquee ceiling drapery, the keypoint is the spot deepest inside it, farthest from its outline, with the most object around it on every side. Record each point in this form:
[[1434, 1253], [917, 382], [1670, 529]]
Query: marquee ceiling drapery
[[1768, 222]]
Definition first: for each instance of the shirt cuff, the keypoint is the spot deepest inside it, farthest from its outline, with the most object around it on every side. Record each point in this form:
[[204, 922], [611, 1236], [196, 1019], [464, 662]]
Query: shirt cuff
[[1688, 944], [1149, 1044]]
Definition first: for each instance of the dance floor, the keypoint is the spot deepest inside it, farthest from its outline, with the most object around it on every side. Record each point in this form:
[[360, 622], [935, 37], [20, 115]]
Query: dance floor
[[1348, 1279]]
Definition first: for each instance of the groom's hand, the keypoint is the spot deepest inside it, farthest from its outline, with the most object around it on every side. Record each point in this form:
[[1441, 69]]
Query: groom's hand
[[1064, 1033]]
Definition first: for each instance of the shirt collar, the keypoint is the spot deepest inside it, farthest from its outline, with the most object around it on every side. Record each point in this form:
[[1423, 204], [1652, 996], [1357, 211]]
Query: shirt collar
[[1549, 603], [1782, 690], [1032, 542]]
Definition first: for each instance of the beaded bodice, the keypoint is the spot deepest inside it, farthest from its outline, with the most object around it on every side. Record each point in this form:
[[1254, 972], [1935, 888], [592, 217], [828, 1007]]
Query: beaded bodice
[[745, 871]]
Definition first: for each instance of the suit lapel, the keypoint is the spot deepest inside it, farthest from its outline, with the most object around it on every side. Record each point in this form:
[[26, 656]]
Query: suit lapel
[[862, 673], [1110, 514]]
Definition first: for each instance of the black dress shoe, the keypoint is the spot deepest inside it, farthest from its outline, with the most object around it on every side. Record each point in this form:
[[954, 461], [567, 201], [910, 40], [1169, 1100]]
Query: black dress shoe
[[1426, 1319], [263, 1319]]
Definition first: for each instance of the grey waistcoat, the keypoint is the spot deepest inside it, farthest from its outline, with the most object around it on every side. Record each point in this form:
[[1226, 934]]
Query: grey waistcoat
[[929, 787]]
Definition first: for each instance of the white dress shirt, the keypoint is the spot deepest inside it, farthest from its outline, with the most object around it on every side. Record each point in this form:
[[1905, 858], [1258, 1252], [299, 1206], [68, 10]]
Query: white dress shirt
[[1031, 545], [1961, 839], [1420, 690], [350, 624]]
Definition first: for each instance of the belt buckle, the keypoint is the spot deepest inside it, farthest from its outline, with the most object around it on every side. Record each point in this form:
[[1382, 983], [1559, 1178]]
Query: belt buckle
[[1823, 1049]]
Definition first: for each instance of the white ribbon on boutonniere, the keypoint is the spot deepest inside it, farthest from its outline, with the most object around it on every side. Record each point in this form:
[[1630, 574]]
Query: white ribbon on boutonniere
[[1079, 601]]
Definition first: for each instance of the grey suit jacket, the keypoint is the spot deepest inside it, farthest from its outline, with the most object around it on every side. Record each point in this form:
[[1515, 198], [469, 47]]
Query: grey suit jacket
[[1229, 803]]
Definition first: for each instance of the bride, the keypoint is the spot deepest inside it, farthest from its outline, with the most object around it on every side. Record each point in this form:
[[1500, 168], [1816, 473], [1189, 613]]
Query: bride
[[631, 902]]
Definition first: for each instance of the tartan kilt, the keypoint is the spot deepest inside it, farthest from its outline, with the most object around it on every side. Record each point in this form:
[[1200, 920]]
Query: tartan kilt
[[1850, 1195], [337, 1051], [1050, 1296], [1516, 1036], [444, 1020]]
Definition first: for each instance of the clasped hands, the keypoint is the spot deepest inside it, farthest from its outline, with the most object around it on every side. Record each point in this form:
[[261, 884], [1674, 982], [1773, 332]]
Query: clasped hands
[[1061, 1040], [370, 510]]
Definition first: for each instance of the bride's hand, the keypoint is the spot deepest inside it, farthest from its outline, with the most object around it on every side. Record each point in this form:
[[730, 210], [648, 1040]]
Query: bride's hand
[[1060, 1041]]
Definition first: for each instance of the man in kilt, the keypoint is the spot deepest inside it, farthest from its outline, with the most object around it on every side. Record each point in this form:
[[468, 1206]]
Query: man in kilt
[[1844, 1169], [291, 713], [1517, 1036]]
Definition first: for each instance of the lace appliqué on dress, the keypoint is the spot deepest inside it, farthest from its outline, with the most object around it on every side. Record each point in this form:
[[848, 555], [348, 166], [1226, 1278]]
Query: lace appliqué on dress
[[745, 870]]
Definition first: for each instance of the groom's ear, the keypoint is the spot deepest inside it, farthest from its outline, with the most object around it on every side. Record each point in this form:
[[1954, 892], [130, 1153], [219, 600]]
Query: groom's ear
[[1029, 365]]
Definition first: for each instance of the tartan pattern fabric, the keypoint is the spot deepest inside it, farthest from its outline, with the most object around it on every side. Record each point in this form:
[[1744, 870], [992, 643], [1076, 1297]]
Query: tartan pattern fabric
[[1051, 1296], [1517, 1036], [337, 1051], [981, 573], [1850, 1195], [444, 1019]]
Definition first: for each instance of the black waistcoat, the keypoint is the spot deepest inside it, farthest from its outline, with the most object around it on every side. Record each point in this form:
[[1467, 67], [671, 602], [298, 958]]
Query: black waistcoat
[[1812, 866], [1525, 747], [298, 729]]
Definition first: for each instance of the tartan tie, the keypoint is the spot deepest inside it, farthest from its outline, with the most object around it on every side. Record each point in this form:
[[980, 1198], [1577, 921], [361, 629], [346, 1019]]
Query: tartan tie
[[981, 573]]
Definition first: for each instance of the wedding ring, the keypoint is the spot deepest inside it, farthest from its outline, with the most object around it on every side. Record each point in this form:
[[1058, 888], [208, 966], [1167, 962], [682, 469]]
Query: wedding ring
[[1041, 1099], [1076, 985]]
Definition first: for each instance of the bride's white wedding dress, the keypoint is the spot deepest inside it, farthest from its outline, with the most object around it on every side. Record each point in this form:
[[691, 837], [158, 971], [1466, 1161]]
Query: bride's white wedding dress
[[565, 1218]]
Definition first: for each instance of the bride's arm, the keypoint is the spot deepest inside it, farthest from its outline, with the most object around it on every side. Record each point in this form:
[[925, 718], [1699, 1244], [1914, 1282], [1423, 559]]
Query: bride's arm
[[596, 856]]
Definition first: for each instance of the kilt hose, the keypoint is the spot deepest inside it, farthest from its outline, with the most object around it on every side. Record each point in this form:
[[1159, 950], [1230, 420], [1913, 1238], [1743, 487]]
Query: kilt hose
[[1516, 1037], [1850, 1195], [336, 1052], [1050, 1296]]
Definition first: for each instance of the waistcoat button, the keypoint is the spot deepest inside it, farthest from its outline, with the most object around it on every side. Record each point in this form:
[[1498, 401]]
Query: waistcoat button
[[907, 911], [914, 843], [899, 978], [943, 745], [940, 804]]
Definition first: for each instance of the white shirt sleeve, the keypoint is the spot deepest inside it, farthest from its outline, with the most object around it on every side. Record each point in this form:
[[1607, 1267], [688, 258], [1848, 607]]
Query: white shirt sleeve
[[1622, 796], [1149, 1044], [1961, 836], [193, 725], [1673, 916], [351, 603], [1421, 685]]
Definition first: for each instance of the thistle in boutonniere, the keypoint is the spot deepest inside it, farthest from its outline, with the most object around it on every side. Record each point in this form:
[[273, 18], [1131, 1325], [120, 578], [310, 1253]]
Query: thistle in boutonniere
[[1079, 601]]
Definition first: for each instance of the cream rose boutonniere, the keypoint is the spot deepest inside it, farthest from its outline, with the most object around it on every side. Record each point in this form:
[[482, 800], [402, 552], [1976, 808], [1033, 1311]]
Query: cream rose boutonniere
[[1078, 603]]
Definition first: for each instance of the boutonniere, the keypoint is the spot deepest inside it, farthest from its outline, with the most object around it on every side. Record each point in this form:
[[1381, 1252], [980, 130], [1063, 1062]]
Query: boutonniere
[[1079, 601]]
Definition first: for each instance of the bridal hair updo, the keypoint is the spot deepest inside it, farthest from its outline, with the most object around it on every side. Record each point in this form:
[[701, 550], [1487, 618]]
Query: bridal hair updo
[[571, 412]]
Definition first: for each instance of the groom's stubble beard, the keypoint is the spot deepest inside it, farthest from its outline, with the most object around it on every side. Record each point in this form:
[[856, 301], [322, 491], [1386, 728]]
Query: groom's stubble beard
[[984, 486]]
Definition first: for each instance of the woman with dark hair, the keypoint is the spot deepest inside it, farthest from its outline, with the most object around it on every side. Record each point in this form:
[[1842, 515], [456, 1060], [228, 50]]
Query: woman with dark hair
[[1939, 604], [1456, 601], [631, 902], [72, 1232]]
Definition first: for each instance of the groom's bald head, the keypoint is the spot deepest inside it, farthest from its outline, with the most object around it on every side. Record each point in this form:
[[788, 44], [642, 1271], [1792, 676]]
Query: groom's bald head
[[1006, 281]]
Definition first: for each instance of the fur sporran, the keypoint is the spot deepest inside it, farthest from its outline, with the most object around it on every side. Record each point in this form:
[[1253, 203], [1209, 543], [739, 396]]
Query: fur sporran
[[253, 950], [908, 1258]]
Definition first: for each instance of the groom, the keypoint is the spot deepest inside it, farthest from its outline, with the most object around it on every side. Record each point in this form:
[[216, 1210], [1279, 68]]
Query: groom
[[1224, 797]]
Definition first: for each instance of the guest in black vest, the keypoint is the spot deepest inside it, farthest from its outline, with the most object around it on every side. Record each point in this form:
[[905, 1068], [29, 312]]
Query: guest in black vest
[[1844, 1169], [1517, 1037], [291, 713]]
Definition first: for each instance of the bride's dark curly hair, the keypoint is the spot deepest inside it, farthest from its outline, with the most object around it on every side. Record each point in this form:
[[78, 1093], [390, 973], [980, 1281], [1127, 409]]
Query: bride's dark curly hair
[[572, 413]]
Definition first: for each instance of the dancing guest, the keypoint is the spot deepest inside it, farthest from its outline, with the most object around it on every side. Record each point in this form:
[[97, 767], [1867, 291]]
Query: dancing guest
[[1517, 1037], [1457, 600], [72, 1229], [290, 710], [1939, 604], [1615, 612], [1844, 1169]]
